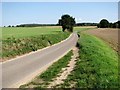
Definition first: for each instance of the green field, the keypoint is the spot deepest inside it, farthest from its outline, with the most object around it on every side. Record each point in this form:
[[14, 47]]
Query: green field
[[84, 28], [21, 32]]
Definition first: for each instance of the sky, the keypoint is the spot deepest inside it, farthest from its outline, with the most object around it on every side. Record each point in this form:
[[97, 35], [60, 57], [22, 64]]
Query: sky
[[60, 0], [15, 13]]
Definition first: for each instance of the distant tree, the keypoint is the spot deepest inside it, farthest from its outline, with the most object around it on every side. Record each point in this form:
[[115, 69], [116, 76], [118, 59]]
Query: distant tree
[[12, 26], [17, 25], [114, 25], [4, 26], [67, 22], [104, 23], [118, 24], [110, 25], [9, 26], [98, 25], [22, 25]]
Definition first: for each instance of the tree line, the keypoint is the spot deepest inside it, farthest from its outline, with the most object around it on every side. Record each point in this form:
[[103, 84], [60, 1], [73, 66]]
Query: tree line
[[105, 24], [68, 22], [37, 25]]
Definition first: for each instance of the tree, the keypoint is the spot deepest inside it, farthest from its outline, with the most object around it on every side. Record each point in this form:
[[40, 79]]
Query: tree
[[118, 24], [104, 23], [9, 26], [110, 25], [67, 22]]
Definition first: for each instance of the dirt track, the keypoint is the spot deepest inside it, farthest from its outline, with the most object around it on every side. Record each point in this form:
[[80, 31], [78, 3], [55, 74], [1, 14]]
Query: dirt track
[[108, 35]]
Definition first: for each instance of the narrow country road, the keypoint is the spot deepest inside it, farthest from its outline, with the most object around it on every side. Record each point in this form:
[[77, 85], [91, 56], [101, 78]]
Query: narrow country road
[[23, 69]]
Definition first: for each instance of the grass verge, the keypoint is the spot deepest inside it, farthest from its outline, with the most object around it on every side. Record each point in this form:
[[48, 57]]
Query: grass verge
[[12, 47], [42, 80], [97, 66]]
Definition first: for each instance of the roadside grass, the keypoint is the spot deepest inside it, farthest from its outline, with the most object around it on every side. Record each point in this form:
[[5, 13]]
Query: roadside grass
[[12, 47], [56, 68], [97, 66], [43, 79]]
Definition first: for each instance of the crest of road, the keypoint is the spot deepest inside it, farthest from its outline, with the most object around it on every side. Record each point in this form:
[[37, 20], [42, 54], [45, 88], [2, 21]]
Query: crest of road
[[21, 70]]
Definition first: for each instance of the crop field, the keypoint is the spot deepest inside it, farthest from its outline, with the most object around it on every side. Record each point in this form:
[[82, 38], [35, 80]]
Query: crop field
[[84, 28], [21, 32]]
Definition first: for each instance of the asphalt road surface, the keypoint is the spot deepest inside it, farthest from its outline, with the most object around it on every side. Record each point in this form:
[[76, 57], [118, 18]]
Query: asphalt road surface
[[21, 70]]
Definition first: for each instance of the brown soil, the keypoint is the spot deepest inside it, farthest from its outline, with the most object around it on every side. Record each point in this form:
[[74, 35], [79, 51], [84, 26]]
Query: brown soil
[[109, 35]]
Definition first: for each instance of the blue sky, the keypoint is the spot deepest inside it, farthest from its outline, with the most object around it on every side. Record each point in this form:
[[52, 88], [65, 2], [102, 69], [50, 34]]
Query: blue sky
[[14, 13]]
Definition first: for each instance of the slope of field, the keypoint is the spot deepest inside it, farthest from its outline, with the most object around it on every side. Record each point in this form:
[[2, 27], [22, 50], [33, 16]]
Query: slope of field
[[108, 35], [97, 66]]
